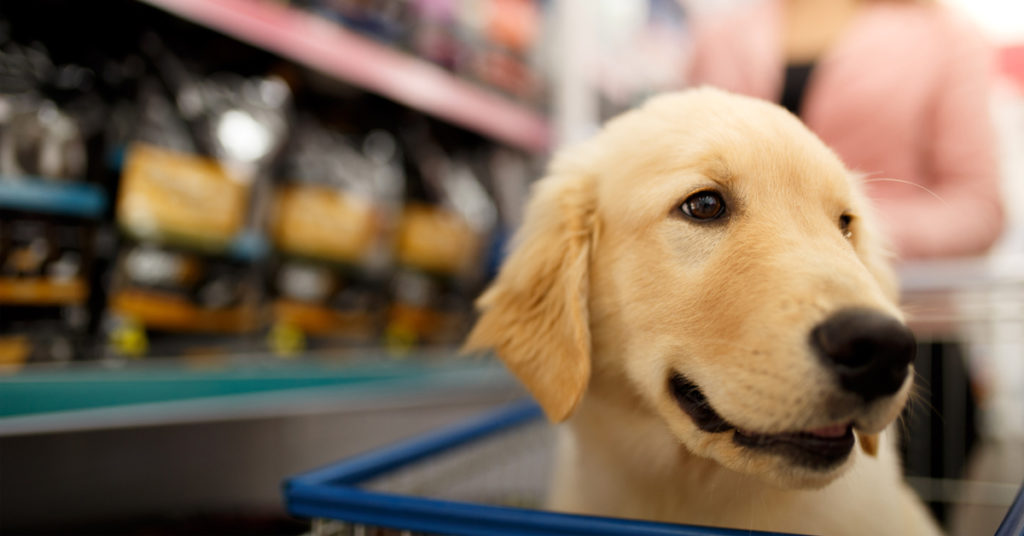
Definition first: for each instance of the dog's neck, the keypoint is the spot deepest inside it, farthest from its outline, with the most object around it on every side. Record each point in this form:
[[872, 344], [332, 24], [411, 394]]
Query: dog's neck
[[616, 458]]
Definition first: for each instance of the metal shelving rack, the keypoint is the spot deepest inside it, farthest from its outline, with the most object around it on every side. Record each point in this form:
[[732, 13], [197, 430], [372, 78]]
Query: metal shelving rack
[[332, 50]]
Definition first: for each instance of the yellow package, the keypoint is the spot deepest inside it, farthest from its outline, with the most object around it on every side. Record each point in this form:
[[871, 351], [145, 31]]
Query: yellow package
[[324, 223], [165, 192], [435, 240]]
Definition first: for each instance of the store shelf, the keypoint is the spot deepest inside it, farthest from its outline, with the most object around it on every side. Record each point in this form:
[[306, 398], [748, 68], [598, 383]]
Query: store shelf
[[154, 392], [329, 48], [30, 194]]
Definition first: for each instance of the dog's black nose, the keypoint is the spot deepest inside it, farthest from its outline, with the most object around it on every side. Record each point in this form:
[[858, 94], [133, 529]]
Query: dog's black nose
[[869, 351]]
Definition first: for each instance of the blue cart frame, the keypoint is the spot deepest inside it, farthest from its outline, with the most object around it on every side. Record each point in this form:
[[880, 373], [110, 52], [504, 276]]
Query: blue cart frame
[[335, 492]]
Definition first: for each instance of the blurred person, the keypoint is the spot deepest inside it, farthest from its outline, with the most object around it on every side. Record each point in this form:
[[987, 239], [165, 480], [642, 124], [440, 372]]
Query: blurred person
[[898, 88]]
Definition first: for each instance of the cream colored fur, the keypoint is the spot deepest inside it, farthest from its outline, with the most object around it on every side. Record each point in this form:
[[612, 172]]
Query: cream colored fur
[[609, 289]]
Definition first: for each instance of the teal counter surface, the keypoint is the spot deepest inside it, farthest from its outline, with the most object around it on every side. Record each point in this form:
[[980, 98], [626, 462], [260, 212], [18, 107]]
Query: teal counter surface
[[44, 391]]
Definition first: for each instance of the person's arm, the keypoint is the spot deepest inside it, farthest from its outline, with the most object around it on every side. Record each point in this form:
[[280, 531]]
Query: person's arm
[[961, 152]]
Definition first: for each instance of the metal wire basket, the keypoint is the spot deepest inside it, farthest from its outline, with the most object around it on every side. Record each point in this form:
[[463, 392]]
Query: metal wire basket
[[485, 477]]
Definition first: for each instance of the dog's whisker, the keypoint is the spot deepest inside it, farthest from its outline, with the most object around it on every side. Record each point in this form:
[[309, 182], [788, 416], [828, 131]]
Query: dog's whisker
[[908, 183], [918, 396], [927, 190], [904, 425]]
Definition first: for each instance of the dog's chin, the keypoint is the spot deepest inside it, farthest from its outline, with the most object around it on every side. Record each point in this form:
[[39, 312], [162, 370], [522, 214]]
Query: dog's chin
[[809, 458], [775, 466]]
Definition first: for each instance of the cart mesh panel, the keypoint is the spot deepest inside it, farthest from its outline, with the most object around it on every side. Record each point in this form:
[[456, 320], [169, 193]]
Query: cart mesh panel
[[511, 468]]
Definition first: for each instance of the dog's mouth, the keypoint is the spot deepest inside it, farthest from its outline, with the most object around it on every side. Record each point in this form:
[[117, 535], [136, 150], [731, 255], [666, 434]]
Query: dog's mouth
[[819, 448]]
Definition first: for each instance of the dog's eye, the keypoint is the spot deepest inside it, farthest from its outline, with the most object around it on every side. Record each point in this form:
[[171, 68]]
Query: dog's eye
[[844, 225], [706, 205]]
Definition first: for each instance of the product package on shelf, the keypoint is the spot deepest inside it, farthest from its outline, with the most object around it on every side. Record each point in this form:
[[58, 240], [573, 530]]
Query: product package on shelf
[[162, 292], [48, 206], [494, 43], [192, 203], [45, 116], [387, 21], [332, 227], [175, 197], [44, 287], [499, 43], [441, 250]]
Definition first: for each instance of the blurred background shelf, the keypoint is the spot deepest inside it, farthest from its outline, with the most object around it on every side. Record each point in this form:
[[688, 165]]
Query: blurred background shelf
[[29, 194], [260, 177], [337, 52]]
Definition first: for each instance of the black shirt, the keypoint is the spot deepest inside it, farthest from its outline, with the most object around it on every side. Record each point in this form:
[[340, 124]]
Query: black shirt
[[794, 86]]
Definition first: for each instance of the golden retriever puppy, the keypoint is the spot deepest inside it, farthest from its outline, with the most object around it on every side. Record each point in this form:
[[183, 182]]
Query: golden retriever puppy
[[699, 293]]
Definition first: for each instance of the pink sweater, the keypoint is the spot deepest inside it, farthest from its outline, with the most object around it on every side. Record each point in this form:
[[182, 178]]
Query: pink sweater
[[904, 94]]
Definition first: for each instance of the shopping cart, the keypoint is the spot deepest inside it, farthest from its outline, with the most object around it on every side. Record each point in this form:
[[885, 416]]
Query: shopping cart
[[448, 482]]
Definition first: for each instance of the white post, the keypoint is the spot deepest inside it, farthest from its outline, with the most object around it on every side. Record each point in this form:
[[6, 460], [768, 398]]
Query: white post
[[575, 107]]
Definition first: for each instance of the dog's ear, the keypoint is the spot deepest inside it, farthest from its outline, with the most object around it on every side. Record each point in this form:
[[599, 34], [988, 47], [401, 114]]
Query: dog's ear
[[534, 315], [869, 444]]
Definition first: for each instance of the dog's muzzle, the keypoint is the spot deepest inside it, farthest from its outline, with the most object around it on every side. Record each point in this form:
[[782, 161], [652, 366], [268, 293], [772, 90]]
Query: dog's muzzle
[[868, 352]]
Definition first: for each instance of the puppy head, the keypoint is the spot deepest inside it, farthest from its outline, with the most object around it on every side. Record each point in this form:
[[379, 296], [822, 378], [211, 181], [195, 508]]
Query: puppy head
[[709, 256]]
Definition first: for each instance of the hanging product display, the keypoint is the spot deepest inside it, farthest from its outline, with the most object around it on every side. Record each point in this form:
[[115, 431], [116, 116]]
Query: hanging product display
[[194, 189], [332, 227]]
